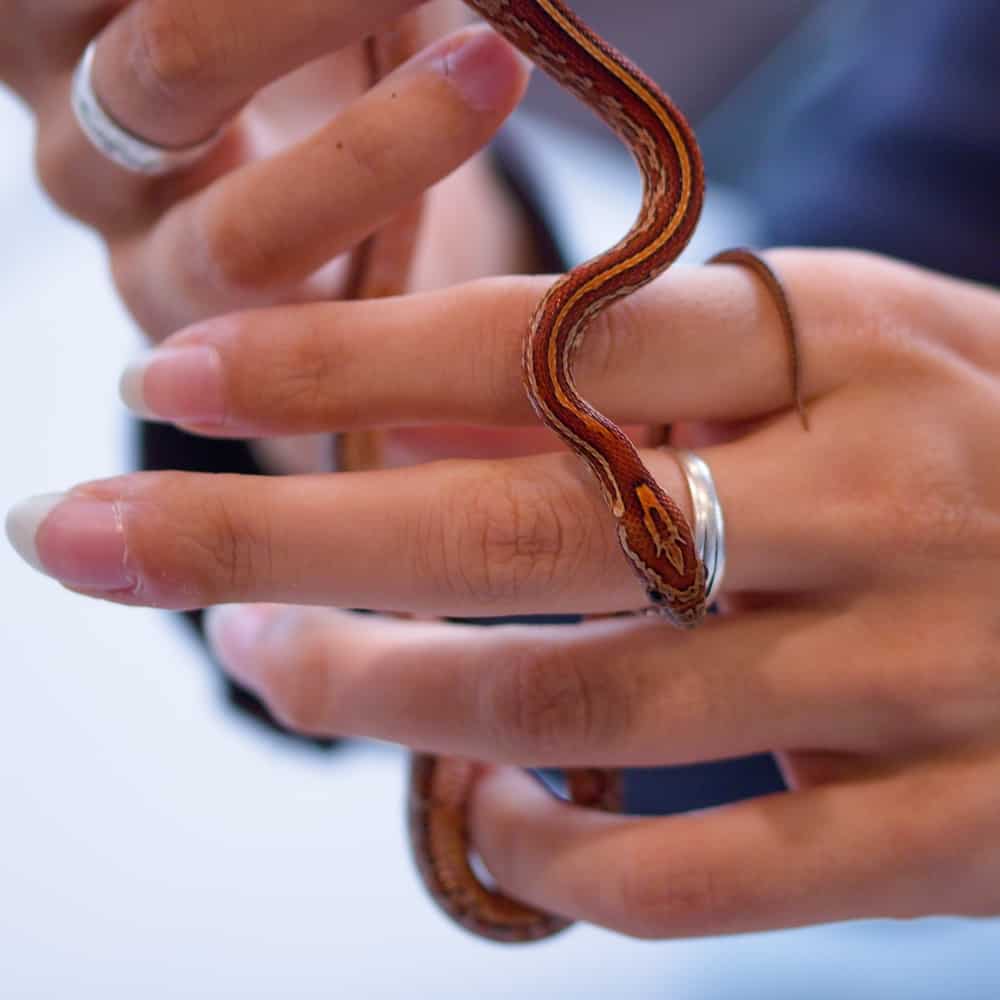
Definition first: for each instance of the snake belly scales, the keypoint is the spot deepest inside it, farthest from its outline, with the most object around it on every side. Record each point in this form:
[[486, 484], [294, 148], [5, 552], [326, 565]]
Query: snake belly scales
[[652, 530]]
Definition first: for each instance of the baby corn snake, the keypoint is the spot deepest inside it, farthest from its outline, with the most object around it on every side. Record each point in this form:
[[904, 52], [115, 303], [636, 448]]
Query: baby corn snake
[[652, 530]]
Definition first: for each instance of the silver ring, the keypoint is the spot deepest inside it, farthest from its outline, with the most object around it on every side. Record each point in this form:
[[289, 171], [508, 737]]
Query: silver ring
[[116, 142], [709, 524]]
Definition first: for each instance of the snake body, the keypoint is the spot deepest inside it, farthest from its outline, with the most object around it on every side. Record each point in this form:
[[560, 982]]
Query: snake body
[[653, 532]]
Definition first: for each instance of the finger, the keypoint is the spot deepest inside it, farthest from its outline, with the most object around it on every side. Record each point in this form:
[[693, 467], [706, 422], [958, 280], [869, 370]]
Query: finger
[[40, 41], [701, 344], [274, 222], [850, 851], [452, 538], [629, 693], [174, 73]]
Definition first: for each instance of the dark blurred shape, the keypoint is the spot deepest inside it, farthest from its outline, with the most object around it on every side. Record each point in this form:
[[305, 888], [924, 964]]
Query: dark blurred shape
[[895, 146], [697, 50], [663, 791]]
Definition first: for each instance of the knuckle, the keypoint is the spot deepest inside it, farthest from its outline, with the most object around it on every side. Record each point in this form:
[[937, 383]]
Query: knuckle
[[979, 682], [171, 56], [224, 549], [927, 498], [894, 703], [946, 677], [542, 705], [503, 308], [231, 257], [614, 339], [947, 841], [923, 318], [688, 900], [904, 320], [878, 331], [295, 689], [304, 379], [217, 551], [508, 538]]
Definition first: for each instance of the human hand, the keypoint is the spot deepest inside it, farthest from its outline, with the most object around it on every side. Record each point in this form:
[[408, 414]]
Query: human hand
[[307, 167], [861, 639]]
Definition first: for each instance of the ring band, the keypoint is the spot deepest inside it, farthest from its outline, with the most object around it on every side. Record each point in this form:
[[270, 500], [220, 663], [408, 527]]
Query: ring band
[[709, 524], [117, 143]]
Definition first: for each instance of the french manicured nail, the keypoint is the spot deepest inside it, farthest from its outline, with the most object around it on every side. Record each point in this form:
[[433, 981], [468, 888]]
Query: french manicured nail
[[180, 384], [78, 540], [484, 69]]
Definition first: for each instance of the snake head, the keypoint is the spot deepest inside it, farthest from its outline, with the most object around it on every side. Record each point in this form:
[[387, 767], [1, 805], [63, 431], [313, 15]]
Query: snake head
[[686, 616]]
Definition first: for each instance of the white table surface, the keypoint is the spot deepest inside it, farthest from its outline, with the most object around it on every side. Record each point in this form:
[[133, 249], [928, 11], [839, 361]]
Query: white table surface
[[153, 845]]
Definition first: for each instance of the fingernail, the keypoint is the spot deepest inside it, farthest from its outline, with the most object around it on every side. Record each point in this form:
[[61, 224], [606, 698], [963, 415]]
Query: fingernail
[[233, 630], [483, 69], [180, 384], [78, 540]]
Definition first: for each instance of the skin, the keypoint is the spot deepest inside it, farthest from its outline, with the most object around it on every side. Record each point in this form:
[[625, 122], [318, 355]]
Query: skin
[[861, 636], [861, 633], [307, 168], [259, 221]]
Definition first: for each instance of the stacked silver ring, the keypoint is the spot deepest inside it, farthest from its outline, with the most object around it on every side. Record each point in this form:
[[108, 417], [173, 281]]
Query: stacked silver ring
[[117, 143], [709, 524]]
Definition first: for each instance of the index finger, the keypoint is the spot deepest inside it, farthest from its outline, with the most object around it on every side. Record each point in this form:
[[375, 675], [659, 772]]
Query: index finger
[[705, 344]]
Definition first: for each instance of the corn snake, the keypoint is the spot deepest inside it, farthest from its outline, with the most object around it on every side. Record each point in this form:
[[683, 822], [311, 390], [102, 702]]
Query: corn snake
[[652, 530]]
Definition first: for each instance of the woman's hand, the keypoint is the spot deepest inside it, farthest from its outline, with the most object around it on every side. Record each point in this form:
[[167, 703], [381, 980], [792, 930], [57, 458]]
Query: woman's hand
[[863, 632], [307, 167]]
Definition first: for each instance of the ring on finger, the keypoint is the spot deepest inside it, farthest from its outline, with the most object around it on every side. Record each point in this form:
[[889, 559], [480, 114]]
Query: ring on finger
[[709, 523], [115, 141]]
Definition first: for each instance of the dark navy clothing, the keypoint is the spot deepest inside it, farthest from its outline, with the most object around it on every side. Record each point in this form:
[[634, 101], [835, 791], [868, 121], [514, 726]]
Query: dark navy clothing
[[897, 147]]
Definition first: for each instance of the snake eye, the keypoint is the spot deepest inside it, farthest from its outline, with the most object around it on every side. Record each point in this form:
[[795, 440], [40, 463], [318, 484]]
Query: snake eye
[[655, 596]]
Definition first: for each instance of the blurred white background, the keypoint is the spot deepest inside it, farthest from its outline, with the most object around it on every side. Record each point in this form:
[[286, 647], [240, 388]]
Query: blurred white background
[[153, 845]]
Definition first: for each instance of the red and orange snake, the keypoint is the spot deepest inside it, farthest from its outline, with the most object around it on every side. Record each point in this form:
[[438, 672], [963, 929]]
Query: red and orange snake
[[654, 534]]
